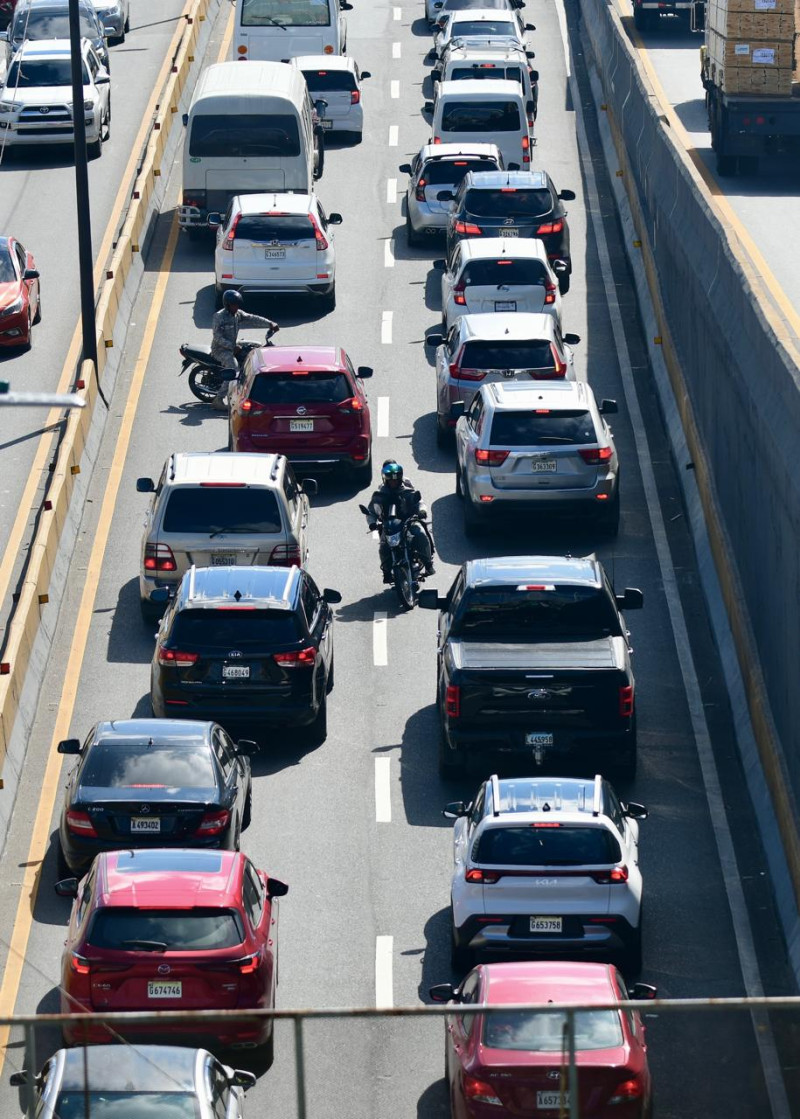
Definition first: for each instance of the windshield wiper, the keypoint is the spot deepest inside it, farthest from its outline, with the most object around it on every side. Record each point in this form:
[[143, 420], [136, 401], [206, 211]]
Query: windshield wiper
[[274, 22], [146, 945], [233, 529]]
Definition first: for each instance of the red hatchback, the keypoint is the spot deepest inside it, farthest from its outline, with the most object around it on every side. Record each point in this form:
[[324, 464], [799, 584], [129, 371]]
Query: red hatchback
[[516, 1063], [307, 403], [20, 306], [172, 930]]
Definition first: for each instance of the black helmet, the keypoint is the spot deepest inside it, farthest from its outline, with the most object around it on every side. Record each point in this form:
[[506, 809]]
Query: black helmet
[[392, 474], [231, 296]]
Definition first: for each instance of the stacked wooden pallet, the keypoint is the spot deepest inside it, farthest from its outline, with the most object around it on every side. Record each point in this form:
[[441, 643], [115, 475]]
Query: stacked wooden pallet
[[751, 45]]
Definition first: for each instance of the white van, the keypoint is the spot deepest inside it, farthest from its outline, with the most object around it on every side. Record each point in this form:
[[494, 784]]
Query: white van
[[483, 112], [277, 30], [250, 129], [491, 63]]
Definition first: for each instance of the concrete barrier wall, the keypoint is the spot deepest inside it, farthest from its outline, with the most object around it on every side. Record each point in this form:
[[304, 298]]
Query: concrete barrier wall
[[735, 378]]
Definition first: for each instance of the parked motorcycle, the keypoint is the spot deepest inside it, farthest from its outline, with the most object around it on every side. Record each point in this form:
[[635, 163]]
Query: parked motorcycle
[[407, 569], [206, 375]]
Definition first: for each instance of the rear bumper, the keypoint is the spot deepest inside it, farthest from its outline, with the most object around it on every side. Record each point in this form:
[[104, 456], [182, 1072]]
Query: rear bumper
[[508, 741], [235, 709], [505, 936], [228, 1036], [353, 452], [591, 499], [425, 220]]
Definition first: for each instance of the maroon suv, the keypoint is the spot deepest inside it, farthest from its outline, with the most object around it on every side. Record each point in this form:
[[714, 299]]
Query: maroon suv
[[307, 403]]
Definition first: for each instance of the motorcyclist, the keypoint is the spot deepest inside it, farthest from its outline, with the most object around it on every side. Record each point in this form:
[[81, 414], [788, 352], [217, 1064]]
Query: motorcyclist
[[398, 491], [226, 325]]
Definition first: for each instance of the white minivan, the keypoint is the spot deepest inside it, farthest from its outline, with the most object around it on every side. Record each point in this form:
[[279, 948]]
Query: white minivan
[[469, 112], [277, 30], [250, 129]]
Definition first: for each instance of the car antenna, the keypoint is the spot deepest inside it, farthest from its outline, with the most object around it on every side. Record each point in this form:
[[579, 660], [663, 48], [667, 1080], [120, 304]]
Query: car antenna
[[238, 596], [150, 742]]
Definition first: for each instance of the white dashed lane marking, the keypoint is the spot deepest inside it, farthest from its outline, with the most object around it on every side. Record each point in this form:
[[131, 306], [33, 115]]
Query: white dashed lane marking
[[383, 797], [397, 14], [397, 50], [388, 253], [391, 191], [386, 327], [382, 424], [395, 89], [394, 135], [380, 652]]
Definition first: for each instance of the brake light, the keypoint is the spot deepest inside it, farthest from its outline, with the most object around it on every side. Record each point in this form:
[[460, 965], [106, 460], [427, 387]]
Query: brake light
[[421, 190], [195, 198], [478, 1091], [468, 228], [296, 658], [468, 374], [319, 236], [458, 294], [351, 405], [80, 823], [355, 96], [626, 701], [213, 822], [550, 227], [249, 964], [616, 876], [159, 557], [222, 485], [285, 555], [437, 139], [228, 242], [490, 458], [626, 1091], [550, 292], [526, 144], [452, 701], [595, 456], [172, 658], [79, 964], [482, 877]]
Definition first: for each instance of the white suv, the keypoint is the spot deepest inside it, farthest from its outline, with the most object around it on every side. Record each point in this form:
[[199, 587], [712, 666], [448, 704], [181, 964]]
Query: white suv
[[36, 100], [546, 866]]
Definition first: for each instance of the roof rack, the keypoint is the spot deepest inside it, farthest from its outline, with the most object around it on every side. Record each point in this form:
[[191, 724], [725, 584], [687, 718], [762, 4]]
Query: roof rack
[[495, 795], [192, 573], [597, 804], [274, 471]]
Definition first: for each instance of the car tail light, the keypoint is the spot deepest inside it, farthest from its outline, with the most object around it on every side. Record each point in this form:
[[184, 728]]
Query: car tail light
[[550, 227], [249, 964], [228, 242], [319, 236], [159, 557], [468, 227], [468, 374], [351, 405], [550, 292], [296, 658], [195, 198], [80, 823], [285, 555], [452, 701], [213, 822], [355, 96], [421, 190], [626, 701], [628, 1090], [482, 877], [596, 456], [252, 406], [79, 964], [172, 658], [437, 139], [478, 1091], [616, 876], [526, 150], [490, 458], [458, 294]]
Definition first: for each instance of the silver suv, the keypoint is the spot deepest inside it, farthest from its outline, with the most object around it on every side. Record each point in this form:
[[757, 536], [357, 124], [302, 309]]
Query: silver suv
[[437, 168], [546, 866], [220, 510], [521, 447]]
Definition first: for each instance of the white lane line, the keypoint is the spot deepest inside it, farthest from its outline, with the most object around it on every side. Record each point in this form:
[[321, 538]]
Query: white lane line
[[394, 135], [742, 930], [382, 427], [391, 191], [397, 50], [383, 791], [396, 14], [380, 651], [384, 987], [388, 253], [386, 327], [395, 89]]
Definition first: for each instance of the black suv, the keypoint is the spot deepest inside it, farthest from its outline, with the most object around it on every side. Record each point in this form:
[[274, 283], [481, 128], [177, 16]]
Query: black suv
[[246, 646], [511, 204]]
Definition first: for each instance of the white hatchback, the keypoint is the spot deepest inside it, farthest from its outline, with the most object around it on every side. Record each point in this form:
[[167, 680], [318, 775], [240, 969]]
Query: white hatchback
[[275, 243], [482, 26], [336, 80]]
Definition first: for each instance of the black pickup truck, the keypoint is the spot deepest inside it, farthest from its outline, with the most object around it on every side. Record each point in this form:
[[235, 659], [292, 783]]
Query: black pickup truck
[[534, 666]]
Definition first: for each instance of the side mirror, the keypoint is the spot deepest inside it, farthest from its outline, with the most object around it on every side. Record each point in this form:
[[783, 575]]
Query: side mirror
[[335, 219], [229, 375], [185, 119], [457, 410], [160, 596], [512, 167], [67, 888], [530, 108], [102, 77], [69, 746], [439, 265], [633, 599], [214, 220], [428, 108], [246, 747], [364, 371], [445, 196], [243, 1079], [145, 485], [30, 274], [332, 596], [534, 74], [530, 26], [644, 991], [531, 54], [560, 267], [608, 408], [405, 168], [455, 809], [364, 75], [431, 600], [345, 6], [573, 340], [435, 339], [4, 37], [567, 195], [634, 810], [276, 888], [442, 992], [309, 487], [18, 1079], [365, 511], [321, 105], [435, 76]]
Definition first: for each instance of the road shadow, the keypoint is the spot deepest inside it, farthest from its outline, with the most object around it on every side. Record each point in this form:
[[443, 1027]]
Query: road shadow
[[425, 793], [427, 454], [420, 28], [384, 598], [434, 1102], [693, 115], [436, 961], [286, 310], [130, 639], [433, 295]]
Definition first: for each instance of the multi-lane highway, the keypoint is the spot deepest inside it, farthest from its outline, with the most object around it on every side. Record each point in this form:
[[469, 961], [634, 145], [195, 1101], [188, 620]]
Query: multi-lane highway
[[361, 842]]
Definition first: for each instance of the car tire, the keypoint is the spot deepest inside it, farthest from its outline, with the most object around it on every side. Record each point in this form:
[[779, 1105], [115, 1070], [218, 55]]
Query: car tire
[[563, 283], [318, 730], [63, 868], [151, 616], [451, 762], [95, 150], [37, 318], [631, 959], [609, 518], [362, 475], [473, 522], [266, 1052], [28, 343], [329, 684], [444, 438], [412, 237], [218, 291], [459, 485], [329, 299], [462, 959], [247, 814], [127, 25], [626, 766]]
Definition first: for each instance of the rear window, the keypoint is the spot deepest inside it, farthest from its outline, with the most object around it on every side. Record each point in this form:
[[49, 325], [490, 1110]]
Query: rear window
[[544, 1033], [480, 116], [209, 510], [526, 429], [187, 930], [494, 272], [300, 388], [329, 81], [449, 172], [244, 135], [274, 227], [508, 355], [562, 612], [485, 29], [460, 5], [234, 629], [133, 1105], [508, 203], [480, 71], [286, 13], [47, 25], [547, 846], [137, 765]]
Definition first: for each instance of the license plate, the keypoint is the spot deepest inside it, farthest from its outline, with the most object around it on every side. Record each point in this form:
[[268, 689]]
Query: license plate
[[509, 232], [235, 672], [546, 924], [327, 124], [220, 559], [158, 989], [505, 305], [274, 254], [552, 1100], [301, 425], [538, 739], [151, 824], [543, 466]]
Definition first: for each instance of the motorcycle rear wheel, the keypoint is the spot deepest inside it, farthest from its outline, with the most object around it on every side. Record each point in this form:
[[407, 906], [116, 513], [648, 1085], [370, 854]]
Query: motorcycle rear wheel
[[405, 585], [204, 383]]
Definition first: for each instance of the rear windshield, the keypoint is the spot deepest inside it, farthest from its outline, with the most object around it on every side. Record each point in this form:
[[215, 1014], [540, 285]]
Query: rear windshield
[[272, 227], [285, 13], [185, 930], [508, 203], [489, 28], [546, 846], [31, 74], [479, 71], [451, 171], [329, 81], [493, 272], [133, 1105], [526, 429], [306, 388], [233, 629], [507, 355], [244, 135], [480, 116], [460, 5], [137, 765], [561, 612], [44, 25], [544, 1033], [209, 510]]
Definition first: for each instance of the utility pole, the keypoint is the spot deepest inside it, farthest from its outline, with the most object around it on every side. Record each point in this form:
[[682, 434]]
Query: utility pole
[[85, 261]]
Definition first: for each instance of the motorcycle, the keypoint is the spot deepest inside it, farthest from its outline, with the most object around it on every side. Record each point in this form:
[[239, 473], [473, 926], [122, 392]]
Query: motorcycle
[[407, 568], [206, 375]]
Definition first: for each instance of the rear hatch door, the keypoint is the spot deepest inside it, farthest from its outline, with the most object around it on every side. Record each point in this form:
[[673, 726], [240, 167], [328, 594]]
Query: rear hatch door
[[274, 246], [504, 284], [303, 411], [337, 88], [221, 525], [533, 1081], [544, 450], [512, 211]]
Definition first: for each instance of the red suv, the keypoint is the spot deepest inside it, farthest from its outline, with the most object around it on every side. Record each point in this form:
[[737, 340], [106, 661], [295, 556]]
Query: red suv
[[6, 12], [172, 930], [514, 1063], [307, 403]]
